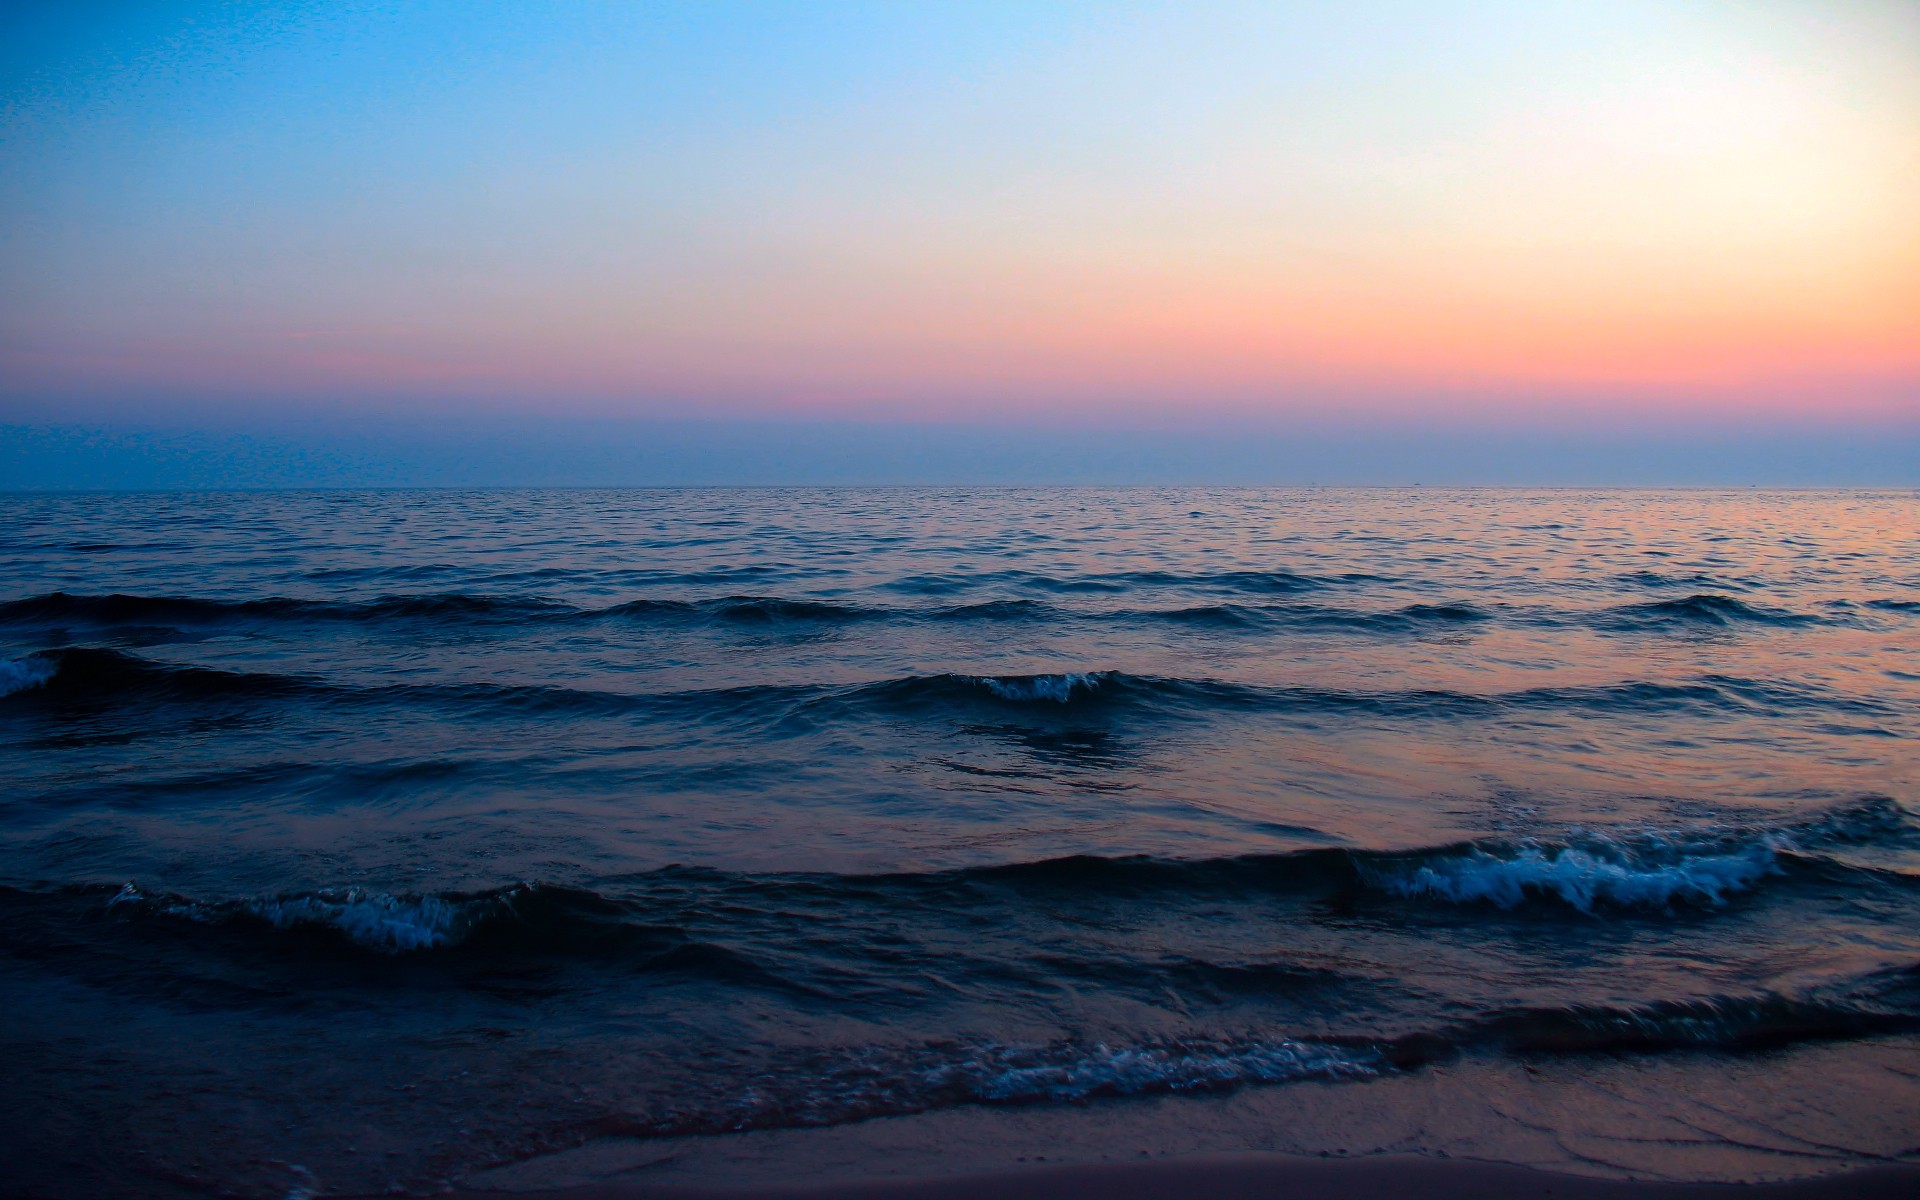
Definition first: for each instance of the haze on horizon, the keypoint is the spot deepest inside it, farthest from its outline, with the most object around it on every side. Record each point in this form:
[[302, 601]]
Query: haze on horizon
[[402, 230]]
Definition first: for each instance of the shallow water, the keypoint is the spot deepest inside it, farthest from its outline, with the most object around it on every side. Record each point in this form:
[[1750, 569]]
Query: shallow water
[[394, 834]]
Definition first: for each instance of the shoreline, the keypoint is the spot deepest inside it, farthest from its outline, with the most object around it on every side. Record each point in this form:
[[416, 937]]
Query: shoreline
[[1259, 1176]]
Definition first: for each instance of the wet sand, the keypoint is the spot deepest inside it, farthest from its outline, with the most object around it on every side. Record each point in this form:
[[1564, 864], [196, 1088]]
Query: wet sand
[[1838, 1119], [1267, 1177]]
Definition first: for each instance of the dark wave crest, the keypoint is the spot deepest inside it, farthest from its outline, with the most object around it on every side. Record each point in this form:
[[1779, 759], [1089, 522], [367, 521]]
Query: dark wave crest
[[114, 611], [121, 609], [103, 676], [745, 610], [86, 674], [1412, 618], [1118, 690], [538, 920], [1245, 582], [1892, 605], [1592, 872], [1702, 610], [117, 612], [1722, 1023]]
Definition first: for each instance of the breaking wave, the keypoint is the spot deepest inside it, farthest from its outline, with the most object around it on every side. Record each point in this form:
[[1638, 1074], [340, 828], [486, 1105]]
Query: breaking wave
[[1598, 874], [104, 676], [373, 920], [1057, 688], [1590, 872], [20, 674], [1646, 869], [1025, 1075], [866, 1083]]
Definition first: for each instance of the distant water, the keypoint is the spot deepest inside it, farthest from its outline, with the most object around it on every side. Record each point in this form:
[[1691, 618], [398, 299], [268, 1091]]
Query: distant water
[[434, 829]]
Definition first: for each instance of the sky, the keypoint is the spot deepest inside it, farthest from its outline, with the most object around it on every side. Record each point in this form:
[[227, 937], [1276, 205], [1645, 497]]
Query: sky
[[433, 242]]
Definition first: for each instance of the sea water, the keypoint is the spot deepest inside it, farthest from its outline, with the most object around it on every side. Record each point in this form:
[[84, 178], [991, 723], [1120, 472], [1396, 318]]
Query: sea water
[[379, 837]]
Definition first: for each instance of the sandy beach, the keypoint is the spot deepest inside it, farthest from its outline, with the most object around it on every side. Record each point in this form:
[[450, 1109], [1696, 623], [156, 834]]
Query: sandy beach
[[1265, 1177]]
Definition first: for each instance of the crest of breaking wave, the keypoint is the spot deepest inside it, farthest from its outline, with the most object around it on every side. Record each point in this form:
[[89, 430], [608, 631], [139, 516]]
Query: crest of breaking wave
[[20, 674], [1631, 868], [380, 921], [883, 1081], [1602, 871]]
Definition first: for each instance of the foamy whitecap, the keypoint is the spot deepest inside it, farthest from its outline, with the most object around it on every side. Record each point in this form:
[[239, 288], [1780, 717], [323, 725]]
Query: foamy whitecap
[[19, 674], [1058, 688], [374, 919], [896, 1081], [1068, 1073], [1587, 877]]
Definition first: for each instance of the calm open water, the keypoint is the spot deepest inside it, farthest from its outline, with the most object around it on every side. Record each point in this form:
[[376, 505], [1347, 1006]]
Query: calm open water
[[368, 838]]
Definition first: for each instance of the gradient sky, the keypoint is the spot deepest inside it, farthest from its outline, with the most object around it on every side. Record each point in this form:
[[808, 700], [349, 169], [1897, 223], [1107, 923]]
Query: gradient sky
[[1118, 215]]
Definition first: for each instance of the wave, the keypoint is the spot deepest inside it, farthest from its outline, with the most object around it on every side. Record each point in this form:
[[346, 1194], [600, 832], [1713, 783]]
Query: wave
[[871, 1082], [863, 1083], [994, 610], [827, 1086], [111, 676], [1588, 870], [522, 919], [1057, 688], [1084, 692], [97, 676], [1247, 582], [1720, 1022], [1658, 579], [1071, 693], [743, 610], [1602, 872], [1591, 872], [20, 674], [1251, 582], [117, 609], [121, 609], [376, 921], [860, 1083], [1632, 868], [1411, 618], [1164, 696], [1023, 1075], [1700, 610], [104, 676], [61, 609]]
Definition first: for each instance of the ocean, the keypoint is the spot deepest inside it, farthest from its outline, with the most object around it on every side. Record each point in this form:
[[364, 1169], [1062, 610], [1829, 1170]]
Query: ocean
[[391, 841]]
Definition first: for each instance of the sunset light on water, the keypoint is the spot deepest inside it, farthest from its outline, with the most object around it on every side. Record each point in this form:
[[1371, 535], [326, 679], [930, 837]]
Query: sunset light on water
[[669, 601]]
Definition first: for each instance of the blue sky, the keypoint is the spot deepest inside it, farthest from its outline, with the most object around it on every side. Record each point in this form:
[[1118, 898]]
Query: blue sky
[[1443, 227]]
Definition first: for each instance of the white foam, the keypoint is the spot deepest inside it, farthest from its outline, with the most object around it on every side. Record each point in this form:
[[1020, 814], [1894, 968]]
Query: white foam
[[374, 919], [1079, 1073], [19, 674], [1586, 877], [1058, 688]]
